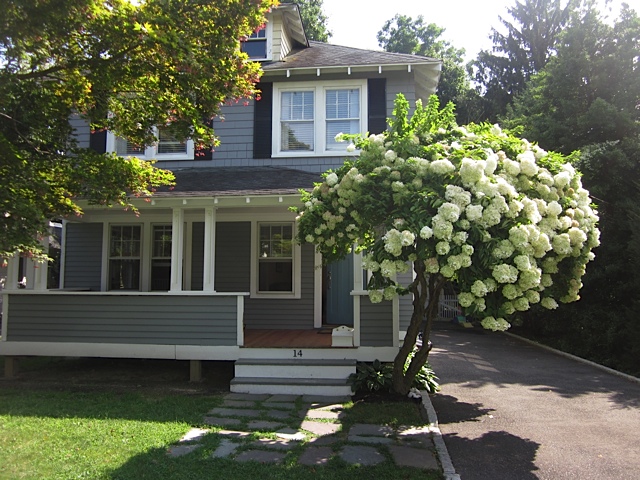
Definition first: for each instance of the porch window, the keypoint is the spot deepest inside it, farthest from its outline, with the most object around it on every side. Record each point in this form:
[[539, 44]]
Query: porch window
[[124, 257], [275, 258], [161, 258]]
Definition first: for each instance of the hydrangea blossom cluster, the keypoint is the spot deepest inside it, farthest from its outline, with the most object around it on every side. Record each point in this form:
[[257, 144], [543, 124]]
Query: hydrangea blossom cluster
[[507, 222]]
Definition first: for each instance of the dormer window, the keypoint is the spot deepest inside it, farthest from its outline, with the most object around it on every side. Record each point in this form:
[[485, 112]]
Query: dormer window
[[167, 147], [258, 45]]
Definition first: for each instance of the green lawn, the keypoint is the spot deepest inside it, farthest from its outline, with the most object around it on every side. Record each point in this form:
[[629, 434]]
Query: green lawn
[[51, 434]]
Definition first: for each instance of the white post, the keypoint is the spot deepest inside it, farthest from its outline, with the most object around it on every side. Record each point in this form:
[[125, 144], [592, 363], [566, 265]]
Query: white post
[[317, 290], [177, 248], [41, 268], [358, 287], [208, 281], [13, 267], [240, 321]]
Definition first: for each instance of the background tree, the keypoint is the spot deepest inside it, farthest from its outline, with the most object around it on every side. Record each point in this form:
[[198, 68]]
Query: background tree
[[403, 34], [314, 20], [587, 98], [507, 222], [121, 66], [523, 50]]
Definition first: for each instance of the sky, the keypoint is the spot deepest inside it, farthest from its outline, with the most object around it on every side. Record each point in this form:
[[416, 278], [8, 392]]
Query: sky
[[467, 23]]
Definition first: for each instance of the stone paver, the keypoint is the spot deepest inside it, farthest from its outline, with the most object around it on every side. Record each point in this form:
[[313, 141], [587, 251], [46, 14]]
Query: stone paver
[[279, 444], [263, 425], [320, 428], [371, 430], [324, 414], [233, 433], [194, 435], [290, 434], [361, 455], [251, 397], [320, 399], [279, 414], [261, 456], [315, 456], [235, 412], [226, 448], [239, 403], [322, 441], [373, 440], [280, 405], [334, 407], [223, 422], [181, 450], [282, 398], [414, 457]]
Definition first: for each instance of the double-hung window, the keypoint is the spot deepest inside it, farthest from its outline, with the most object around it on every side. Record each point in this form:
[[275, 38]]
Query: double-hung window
[[124, 257], [258, 45], [275, 258], [307, 117], [168, 147], [161, 258]]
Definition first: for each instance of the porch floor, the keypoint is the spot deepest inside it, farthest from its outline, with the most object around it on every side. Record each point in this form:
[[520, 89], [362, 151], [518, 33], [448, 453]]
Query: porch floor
[[264, 338]]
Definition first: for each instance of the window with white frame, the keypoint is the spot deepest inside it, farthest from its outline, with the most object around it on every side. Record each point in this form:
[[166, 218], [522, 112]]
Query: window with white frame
[[275, 258], [160, 258], [125, 248], [168, 147], [307, 118], [258, 45]]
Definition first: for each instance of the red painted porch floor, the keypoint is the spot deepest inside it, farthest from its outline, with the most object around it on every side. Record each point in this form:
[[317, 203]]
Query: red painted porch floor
[[264, 338]]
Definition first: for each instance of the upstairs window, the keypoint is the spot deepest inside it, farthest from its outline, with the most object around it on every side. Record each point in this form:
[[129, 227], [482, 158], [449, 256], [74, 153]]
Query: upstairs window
[[307, 118], [258, 45], [167, 147]]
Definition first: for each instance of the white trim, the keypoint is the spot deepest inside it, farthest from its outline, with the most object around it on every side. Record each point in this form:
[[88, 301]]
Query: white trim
[[66, 349], [201, 352], [63, 251], [13, 267], [356, 321], [395, 306], [177, 249], [269, 47], [40, 270], [240, 320], [319, 88], [129, 293], [151, 152], [188, 252], [106, 236], [317, 290], [146, 246], [209, 260]]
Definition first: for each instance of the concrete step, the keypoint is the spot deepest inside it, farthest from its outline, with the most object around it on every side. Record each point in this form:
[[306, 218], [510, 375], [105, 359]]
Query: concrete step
[[291, 386], [294, 368]]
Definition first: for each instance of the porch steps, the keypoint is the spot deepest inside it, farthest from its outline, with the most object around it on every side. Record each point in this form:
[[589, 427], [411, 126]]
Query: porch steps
[[293, 376]]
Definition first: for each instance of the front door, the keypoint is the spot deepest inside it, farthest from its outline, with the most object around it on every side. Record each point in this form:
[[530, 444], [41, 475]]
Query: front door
[[338, 284]]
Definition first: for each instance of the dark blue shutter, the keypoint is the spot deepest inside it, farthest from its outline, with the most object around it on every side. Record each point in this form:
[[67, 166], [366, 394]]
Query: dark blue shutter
[[377, 105], [98, 141], [262, 127]]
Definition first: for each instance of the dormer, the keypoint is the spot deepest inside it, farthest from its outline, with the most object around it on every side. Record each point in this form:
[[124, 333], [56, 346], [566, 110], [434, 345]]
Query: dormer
[[282, 33]]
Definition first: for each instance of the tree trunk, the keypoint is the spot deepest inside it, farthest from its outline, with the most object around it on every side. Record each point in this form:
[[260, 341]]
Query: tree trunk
[[424, 289]]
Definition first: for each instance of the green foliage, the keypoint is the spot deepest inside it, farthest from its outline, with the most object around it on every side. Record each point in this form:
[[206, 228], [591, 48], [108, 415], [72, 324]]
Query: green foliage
[[150, 63], [372, 377], [425, 379], [314, 20]]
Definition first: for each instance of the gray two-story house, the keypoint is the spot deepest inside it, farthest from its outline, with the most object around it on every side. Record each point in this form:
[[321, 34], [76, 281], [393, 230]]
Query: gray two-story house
[[210, 270]]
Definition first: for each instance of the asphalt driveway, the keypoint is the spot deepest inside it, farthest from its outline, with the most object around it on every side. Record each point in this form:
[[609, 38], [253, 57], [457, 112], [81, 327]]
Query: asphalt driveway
[[509, 410]]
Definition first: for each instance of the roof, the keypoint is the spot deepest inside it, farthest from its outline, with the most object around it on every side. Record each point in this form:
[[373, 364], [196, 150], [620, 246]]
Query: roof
[[327, 58], [320, 54], [238, 181]]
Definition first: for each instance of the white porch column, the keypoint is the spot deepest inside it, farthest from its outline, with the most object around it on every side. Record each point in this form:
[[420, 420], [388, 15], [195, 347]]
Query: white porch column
[[13, 267], [357, 287], [177, 249], [208, 281], [41, 268]]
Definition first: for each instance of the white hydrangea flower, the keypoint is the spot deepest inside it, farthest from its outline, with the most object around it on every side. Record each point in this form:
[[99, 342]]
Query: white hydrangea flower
[[505, 273], [431, 265], [471, 171], [479, 289], [390, 155], [309, 238], [528, 164], [441, 167], [466, 299], [332, 179], [375, 296], [407, 238], [351, 148], [442, 248], [562, 179], [562, 244], [511, 167], [449, 212], [549, 303], [447, 271], [473, 212], [426, 232], [497, 325]]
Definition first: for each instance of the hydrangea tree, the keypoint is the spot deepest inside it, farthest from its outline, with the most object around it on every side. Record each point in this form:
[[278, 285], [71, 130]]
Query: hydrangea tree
[[505, 221]]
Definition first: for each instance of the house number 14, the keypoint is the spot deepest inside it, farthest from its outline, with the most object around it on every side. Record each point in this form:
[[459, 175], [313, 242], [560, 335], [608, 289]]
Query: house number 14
[[297, 353]]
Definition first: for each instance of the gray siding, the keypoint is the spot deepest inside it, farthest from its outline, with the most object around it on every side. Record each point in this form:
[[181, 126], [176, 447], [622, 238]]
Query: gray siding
[[406, 301], [233, 256], [81, 130], [83, 256], [149, 319], [285, 313], [376, 323]]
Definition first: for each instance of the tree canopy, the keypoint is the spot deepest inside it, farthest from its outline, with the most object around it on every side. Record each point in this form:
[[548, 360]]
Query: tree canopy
[[507, 222], [122, 66]]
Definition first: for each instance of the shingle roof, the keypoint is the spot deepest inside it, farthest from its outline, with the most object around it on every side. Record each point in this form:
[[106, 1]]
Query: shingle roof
[[240, 181], [320, 54]]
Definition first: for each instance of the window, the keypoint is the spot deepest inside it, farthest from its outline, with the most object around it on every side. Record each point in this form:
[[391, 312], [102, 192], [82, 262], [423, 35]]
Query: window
[[258, 45], [167, 147], [124, 257], [309, 118], [275, 257], [161, 258]]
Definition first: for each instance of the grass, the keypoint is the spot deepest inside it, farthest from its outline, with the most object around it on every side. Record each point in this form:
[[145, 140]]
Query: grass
[[66, 431]]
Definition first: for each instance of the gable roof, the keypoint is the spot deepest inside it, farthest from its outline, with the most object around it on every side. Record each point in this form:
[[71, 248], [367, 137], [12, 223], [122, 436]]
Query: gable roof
[[238, 181], [328, 58]]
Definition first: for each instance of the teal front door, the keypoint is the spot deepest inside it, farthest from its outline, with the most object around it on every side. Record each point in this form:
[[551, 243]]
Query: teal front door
[[338, 284]]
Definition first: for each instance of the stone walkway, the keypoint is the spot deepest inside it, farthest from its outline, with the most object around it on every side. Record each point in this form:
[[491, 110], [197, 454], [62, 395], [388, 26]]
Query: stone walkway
[[259, 428]]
